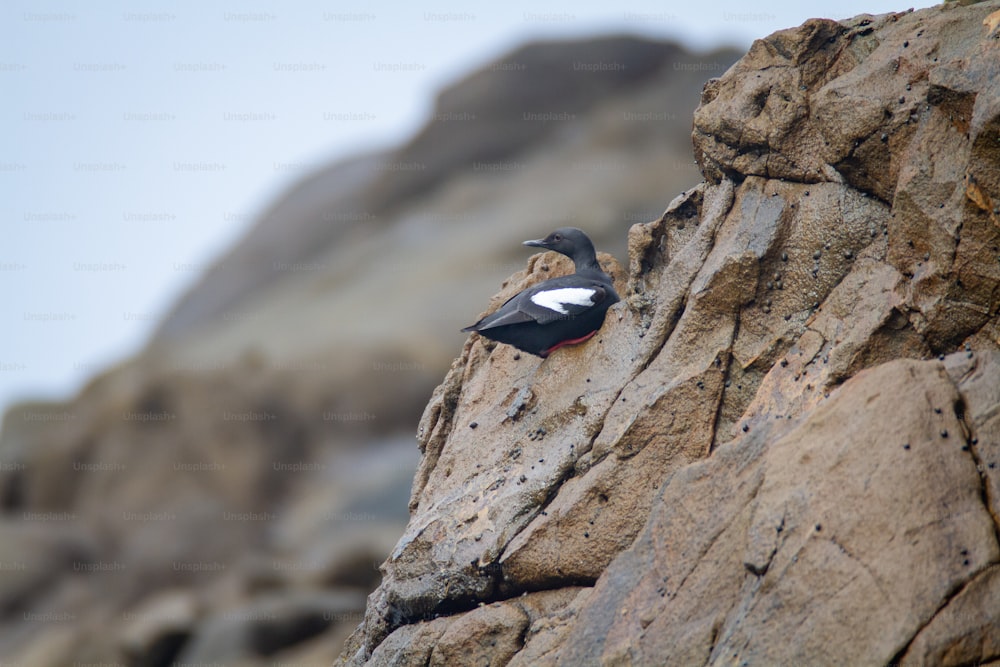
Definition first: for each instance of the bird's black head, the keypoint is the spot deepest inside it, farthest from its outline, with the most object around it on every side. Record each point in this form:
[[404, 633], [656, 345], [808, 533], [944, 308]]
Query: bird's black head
[[573, 243]]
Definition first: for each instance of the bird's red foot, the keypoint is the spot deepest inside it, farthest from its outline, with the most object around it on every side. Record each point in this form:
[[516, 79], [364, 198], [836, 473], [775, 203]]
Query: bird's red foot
[[571, 341]]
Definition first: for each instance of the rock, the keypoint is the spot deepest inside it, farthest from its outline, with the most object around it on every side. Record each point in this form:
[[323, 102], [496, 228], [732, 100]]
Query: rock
[[776, 548], [778, 450], [976, 376], [34, 546], [158, 628], [267, 625], [488, 635], [54, 646], [410, 644], [965, 631]]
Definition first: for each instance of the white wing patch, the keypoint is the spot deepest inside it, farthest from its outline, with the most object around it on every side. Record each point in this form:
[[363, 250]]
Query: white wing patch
[[558, 299]]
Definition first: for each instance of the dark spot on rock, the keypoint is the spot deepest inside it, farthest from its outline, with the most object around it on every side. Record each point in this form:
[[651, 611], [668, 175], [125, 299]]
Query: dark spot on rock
[[819, 527], [906, 446], [784, 257], [745, 428], [473, 424], [905, 44], [944, 433], [517, 355]]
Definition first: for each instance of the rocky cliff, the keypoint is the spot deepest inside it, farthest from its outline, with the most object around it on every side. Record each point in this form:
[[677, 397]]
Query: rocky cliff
[[784, 445]]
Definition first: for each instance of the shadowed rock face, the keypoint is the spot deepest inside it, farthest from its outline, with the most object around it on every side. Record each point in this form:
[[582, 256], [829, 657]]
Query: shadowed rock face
[[784, 446]]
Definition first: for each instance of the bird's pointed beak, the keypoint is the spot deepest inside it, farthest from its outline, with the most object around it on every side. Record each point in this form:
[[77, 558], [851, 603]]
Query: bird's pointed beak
[[537, 243]]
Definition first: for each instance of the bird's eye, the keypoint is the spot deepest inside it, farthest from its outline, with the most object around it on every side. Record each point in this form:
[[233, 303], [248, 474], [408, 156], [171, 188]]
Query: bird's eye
[[557, 237]]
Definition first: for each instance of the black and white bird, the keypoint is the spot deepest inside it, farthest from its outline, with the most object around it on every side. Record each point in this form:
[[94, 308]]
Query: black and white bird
[[557, 312]]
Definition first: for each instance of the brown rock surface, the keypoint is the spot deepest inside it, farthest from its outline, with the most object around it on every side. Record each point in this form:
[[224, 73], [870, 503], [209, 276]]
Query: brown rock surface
[[792, 543], [782, 448]]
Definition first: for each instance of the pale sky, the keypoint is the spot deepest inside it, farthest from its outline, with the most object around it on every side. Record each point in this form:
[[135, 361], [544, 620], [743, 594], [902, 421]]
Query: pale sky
[[140, 139]]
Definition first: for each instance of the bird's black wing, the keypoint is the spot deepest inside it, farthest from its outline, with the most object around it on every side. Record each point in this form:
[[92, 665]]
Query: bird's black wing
[[551, 301]]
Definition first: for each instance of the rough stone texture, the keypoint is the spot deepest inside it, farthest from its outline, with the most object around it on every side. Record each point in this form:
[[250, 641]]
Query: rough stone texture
[[489, 635], [783, 446], [966, 630], [793, 543]]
